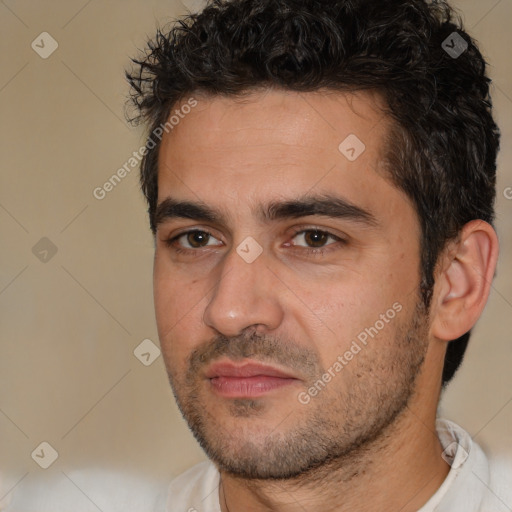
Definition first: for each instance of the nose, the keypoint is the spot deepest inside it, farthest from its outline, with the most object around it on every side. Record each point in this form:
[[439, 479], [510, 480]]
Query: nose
[[245, 295]]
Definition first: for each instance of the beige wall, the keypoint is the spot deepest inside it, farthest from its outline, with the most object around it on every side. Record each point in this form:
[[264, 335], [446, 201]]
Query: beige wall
[[69, 326]]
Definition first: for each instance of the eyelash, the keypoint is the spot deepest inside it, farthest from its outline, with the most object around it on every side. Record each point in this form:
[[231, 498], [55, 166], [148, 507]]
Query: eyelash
[[314, 252]]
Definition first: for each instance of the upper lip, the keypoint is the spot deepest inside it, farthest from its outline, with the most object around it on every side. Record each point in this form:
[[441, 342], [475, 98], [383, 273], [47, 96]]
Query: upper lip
[[245, 369]]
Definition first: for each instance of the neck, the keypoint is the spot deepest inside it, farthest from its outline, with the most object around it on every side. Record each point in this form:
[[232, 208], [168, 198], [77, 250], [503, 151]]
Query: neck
[[400, 470]]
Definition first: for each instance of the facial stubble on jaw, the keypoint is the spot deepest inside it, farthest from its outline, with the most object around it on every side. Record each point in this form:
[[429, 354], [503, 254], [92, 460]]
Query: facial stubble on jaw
[[335, 429]]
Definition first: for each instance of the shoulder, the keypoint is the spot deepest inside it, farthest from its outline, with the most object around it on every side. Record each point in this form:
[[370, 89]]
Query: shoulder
[[195, 490], [493, 468], [477, 480], [500, 478], [79, 489]]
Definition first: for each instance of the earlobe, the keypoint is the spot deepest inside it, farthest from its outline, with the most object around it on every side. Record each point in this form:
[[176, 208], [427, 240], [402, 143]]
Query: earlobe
[[465, 280]]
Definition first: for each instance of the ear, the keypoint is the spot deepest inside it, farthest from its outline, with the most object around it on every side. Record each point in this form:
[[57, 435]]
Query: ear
[[464, 282]]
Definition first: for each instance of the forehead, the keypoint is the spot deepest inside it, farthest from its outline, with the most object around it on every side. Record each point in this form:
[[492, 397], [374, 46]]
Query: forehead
[[276, 144], [315, 120]]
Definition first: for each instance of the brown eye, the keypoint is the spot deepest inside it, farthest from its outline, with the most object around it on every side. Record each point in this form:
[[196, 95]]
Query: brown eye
[[315, 238], [192, 240], [197, 238]]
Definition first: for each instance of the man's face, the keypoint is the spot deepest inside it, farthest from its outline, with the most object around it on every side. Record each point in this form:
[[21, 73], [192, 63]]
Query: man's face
[[290, 336]]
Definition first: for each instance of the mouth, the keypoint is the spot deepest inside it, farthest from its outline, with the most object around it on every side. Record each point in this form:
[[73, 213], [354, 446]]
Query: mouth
[[247, 380]]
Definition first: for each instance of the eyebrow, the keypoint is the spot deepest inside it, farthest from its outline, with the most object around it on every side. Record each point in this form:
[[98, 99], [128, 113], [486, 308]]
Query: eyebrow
[[325, 205]]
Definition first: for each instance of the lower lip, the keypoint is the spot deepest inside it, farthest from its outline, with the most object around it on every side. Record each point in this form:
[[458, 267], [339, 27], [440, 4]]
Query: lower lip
[[248, 387]]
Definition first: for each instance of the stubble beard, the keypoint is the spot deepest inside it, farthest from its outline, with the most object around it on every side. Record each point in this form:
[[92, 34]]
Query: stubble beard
[[335, 429]]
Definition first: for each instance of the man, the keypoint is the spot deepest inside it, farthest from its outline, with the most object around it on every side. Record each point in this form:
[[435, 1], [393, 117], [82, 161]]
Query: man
[[320, 179]]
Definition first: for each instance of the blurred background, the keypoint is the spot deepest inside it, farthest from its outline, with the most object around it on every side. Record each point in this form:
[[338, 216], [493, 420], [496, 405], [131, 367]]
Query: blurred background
[[80, 369]]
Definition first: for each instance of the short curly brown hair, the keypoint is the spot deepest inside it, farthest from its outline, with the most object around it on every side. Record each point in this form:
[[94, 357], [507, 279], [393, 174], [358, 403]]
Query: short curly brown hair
[[444, 143]]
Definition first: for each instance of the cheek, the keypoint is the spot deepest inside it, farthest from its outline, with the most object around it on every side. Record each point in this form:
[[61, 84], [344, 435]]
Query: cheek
[[179, 305], [170, 306], [175, 294], [362, 307], [164, 293]]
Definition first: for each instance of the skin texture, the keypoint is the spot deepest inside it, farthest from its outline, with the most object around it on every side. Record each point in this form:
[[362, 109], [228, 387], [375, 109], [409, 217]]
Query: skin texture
[[299, 311]]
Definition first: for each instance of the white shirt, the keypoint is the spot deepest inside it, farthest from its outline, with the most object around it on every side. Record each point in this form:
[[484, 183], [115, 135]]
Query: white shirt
[[83, 490], [474, 484]]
